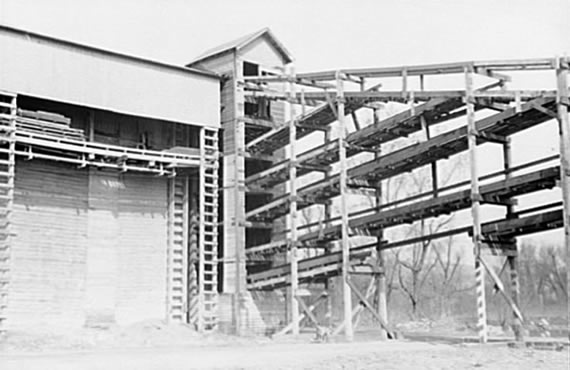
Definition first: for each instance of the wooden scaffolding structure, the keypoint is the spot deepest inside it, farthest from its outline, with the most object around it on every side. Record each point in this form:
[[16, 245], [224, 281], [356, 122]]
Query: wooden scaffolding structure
[[327, 103]]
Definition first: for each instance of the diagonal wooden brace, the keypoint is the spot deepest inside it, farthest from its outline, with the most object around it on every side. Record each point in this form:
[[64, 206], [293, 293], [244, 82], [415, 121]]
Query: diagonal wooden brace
[[308, 311], [499, 285], [356, 310], [370, 308], [311, 308]]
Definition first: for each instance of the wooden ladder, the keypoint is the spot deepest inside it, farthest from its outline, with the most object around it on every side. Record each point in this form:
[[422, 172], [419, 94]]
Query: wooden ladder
[[208, 234], [178, 239], [8, 113]]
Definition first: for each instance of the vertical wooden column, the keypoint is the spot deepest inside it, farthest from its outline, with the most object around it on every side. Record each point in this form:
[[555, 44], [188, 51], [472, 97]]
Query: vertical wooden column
[[512, 260], [426, 130], [201, 237], [347, 299], [475, 207], [564, 122], [234, 163], [382, 308], [330, 282], [293, 205]]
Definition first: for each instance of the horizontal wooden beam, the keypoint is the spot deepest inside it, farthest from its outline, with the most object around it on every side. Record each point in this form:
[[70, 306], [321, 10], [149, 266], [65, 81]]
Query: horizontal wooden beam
[[438, 69], [501, 95], [330, 263]]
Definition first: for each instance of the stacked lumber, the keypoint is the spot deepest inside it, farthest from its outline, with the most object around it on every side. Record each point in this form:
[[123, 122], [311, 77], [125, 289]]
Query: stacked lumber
[[41, 124]]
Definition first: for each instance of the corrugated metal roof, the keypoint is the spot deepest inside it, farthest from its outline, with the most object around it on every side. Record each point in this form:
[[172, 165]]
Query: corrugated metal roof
[[71, 44], [243, 42]]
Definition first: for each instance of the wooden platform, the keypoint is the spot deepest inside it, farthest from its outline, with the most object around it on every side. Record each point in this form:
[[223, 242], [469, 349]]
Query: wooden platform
[[318, 118], [380, 218], [318, 268], [505, 123], [401, 124]]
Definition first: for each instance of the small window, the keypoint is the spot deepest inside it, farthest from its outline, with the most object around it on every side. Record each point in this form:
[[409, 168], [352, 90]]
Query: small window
[[250, 69]]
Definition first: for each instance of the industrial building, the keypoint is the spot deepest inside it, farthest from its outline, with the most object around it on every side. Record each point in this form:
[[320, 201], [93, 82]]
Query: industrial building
[[121, 203]]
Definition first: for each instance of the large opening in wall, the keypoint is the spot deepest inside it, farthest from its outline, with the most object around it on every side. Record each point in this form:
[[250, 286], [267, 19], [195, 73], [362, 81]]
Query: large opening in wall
[[106, 127]]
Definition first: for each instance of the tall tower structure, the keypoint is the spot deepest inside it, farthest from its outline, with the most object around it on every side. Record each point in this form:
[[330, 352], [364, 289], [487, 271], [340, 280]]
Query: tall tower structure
[[243, 118]]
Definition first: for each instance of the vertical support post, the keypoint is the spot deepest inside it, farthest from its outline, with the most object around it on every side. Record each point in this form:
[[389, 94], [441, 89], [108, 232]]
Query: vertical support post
[[382, 307], [475, 207], [330, 282], [201, 217], [404, 83], [564, 122], [347, 298], [512, 260], [236, 152], [434, 181], [91, 120], [293, 205]]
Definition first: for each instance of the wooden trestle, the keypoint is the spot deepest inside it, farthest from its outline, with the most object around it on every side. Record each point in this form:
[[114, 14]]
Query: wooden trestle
[[514, 111]]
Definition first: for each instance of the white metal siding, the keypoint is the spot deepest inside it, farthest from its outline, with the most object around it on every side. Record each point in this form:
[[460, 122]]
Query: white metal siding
[[46, 69], [142, 241], [49, 253], [90, 246]]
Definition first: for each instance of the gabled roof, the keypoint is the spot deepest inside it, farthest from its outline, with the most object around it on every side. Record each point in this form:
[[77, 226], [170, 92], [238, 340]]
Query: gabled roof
[[244, 41]]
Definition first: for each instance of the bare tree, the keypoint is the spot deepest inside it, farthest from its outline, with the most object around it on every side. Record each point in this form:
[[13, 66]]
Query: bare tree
[[449, 265], [419, 265]]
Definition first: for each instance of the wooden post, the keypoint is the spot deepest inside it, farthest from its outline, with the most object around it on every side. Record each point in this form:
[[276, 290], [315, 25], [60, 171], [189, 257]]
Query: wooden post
[[330, 282], [91, 120], [293, 206], [434, 180], [347, 298], [239, 195], [381, 298], [475, 207], [564, 122], [512, 260]]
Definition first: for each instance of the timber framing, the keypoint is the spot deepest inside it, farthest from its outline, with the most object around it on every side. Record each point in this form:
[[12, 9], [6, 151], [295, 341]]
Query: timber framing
[[507, 112]]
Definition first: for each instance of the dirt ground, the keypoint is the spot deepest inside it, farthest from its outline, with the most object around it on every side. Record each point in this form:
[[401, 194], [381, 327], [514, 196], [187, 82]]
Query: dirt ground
[[151, 345], [356, 355]]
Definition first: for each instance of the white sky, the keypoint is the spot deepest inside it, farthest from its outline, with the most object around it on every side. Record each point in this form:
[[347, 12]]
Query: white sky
[[321, 34]]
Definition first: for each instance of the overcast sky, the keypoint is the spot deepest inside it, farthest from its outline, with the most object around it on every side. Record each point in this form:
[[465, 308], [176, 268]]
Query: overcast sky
[[321, 34]]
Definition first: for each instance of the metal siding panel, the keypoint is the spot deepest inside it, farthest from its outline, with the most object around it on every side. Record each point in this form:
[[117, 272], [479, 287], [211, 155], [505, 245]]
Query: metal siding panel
[[49, 254], [58, 72], [142, 246]]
